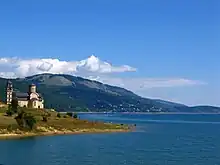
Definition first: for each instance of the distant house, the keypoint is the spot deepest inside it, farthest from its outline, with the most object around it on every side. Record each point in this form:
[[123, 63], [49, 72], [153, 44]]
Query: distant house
[[30, 99]]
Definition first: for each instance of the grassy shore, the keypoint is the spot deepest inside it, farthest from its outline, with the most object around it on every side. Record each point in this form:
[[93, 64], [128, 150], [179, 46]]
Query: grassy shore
[[54, 125]]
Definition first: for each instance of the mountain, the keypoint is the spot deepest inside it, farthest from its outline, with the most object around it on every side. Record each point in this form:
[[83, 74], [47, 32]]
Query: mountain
[[70, 93]]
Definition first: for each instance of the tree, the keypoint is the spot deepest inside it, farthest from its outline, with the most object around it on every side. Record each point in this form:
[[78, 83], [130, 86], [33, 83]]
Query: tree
[[44, 118], [20, 119], [14, 105], [9, 112], [75, 116], [69, 114], [30, 120], [58, 115], [25, 120]]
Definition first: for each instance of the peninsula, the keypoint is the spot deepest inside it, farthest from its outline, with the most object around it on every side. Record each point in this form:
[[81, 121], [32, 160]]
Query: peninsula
[[37, 122], [23, 114]]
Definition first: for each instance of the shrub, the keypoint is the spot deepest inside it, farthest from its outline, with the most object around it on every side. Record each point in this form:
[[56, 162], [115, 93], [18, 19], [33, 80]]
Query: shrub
[[12, 108], [75, 116], [30, 120], [58, 115], [44, 118], [19, 119], [25, 120], [69, 114], [65, 116], [14, 105], [9, 112]]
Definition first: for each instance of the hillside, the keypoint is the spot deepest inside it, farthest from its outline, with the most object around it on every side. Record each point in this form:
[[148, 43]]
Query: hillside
[[70, 93]]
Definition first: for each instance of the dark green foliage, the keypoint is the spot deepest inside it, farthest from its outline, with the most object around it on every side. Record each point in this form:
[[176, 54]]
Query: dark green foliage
[[9, 112], [45, 116], [69, 114], [25, 120], [20, 119], [58, 115], [12, 108], [30, 120], [14, 105], [75, 116], [44, 119]]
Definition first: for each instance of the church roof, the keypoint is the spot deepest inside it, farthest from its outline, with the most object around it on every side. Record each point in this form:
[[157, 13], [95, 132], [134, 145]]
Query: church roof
[[24, 96], [20, 94]]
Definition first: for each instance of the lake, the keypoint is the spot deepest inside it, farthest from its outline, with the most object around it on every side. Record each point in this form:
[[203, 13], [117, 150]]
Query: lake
[[158, 140]]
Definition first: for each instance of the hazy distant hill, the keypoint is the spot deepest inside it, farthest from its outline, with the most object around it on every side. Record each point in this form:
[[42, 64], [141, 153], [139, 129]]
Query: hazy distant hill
[[70, 93]]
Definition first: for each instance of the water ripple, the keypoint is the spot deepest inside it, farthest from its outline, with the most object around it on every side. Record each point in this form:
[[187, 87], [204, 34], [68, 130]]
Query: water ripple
[[171, 141]]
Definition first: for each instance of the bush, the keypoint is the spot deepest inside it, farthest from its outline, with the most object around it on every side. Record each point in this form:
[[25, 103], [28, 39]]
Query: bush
[[69, 114], [58, 115], [44, 118], [75, 116], [12, 108], [9, 112], [19, 119], [25, 120], [14, 105], [30, 120]]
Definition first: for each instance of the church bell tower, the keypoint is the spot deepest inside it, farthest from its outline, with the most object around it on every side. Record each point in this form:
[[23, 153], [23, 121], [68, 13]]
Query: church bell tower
[[9, 91]]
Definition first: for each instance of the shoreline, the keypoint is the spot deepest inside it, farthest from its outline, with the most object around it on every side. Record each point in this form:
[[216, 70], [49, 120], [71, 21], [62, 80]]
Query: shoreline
[[155, 113], [22, 135], [173, 113]]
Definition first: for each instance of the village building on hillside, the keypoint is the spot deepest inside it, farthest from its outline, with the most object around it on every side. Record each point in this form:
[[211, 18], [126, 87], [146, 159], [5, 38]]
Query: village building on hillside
[[30, 99]]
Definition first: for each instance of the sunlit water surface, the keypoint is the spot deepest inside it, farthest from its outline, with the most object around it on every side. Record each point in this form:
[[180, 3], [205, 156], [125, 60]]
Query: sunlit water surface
[[158, 140]]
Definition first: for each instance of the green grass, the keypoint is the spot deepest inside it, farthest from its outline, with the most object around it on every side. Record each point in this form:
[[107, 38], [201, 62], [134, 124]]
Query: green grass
[[3, 109], [68, 123]]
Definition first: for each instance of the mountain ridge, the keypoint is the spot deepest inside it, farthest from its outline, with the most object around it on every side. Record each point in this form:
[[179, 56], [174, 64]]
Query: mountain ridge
[[71, 93]]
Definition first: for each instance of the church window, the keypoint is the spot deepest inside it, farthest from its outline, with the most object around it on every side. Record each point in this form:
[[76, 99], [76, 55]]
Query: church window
[[34, 103]]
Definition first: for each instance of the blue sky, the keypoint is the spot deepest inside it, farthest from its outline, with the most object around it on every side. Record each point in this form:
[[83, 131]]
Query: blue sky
[[162, 40]]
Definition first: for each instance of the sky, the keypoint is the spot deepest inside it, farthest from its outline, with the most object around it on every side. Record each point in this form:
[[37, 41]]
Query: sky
[[158, 49]]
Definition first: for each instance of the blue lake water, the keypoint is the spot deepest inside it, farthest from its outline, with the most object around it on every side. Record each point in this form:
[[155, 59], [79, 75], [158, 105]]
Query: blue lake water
[[158, 140]]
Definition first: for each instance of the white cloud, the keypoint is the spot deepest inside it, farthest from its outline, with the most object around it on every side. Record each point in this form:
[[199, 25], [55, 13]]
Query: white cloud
[[92, 68], [25, 67], [94, 64], [141, 84]]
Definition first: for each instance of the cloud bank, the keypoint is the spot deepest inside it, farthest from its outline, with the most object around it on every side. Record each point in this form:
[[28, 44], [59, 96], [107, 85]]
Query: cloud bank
[[91, 68], [16, 67], [139, 84]]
